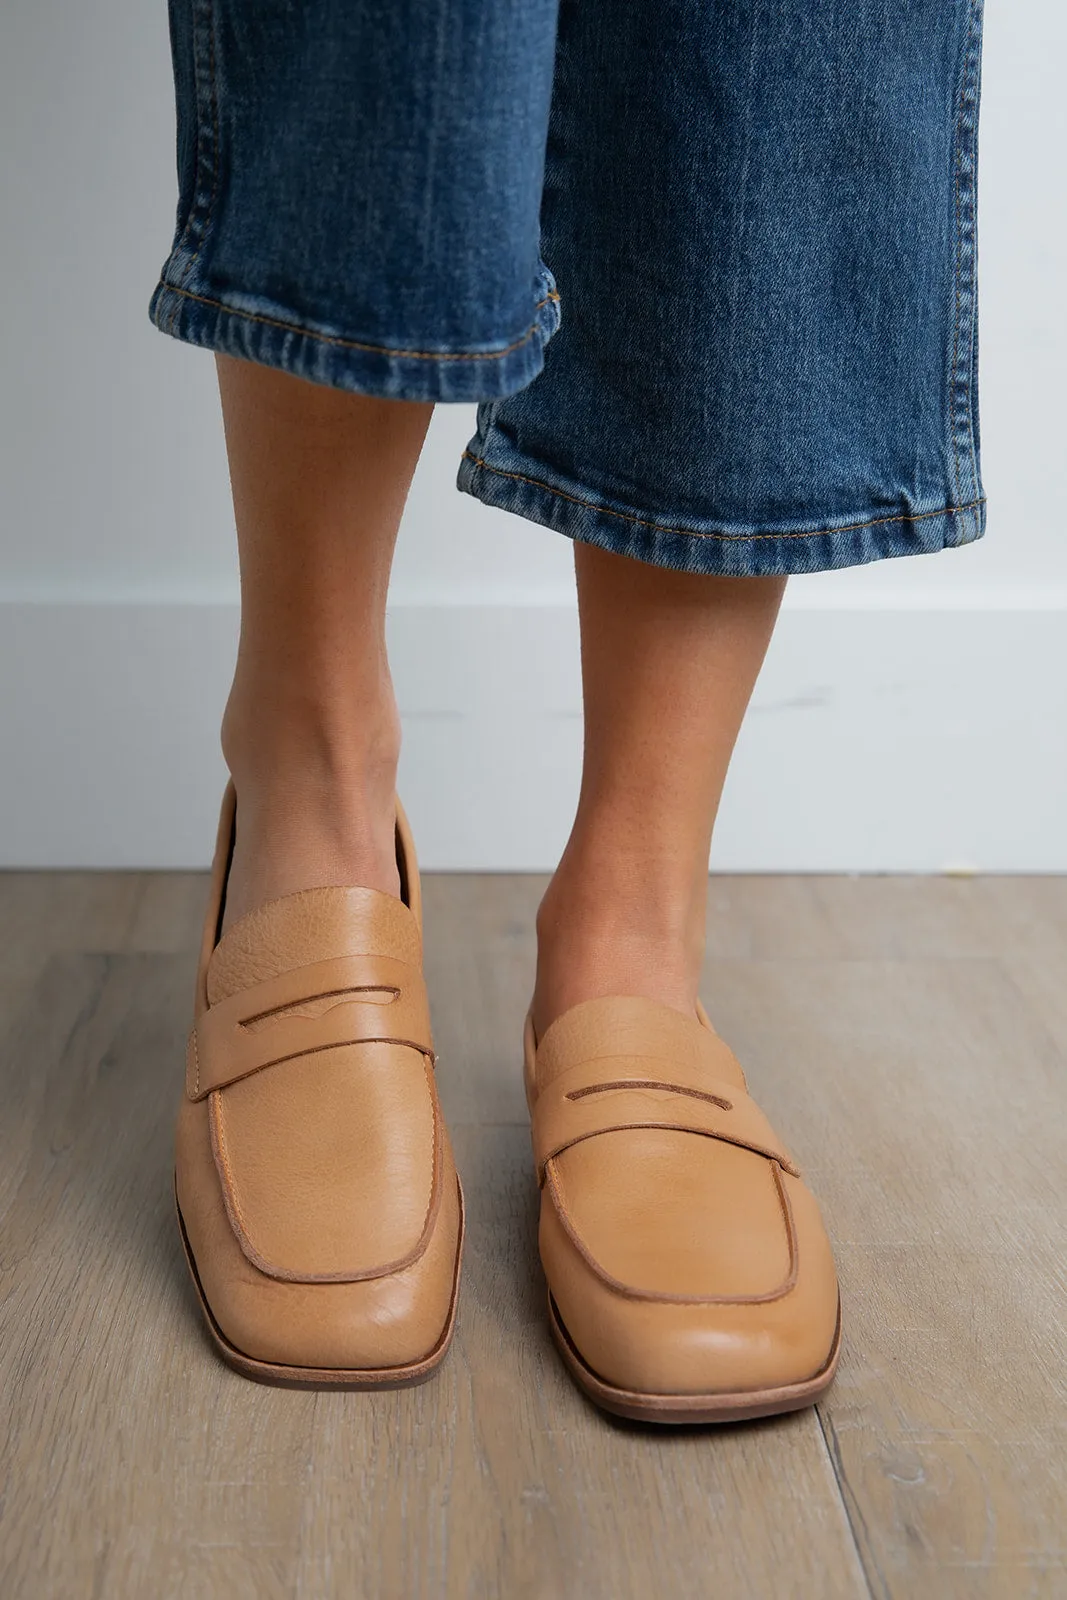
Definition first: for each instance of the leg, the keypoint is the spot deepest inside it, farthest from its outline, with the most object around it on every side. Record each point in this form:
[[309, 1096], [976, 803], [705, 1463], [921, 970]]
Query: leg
[[317, 1196], [669, 660], [690, 1275], [311, 733]]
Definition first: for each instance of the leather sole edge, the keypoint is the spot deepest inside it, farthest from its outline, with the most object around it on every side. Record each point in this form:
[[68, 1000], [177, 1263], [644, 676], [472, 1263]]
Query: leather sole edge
[[292, 1377], [681, 1410]]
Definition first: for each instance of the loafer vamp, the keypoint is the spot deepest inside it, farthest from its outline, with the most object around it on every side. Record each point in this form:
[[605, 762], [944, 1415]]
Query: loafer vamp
[[663, 1214], [330, 1164], [660, 1299]]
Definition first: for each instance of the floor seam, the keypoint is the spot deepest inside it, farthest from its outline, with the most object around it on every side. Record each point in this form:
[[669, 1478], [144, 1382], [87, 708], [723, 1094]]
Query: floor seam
[[849, 1504]]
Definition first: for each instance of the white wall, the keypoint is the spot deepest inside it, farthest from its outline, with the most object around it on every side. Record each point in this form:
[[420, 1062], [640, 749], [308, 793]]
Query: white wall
[[911, 714]]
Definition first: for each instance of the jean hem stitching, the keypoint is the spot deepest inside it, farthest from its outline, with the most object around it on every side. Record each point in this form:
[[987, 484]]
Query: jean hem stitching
[[732, 538], [356, 344]]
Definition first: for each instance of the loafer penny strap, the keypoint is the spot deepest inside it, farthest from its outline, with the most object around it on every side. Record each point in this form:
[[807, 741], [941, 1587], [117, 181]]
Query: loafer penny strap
[[613, 1093], [351, 999]]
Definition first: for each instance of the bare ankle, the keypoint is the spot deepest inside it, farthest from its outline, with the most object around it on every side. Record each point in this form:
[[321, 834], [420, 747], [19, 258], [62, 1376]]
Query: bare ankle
[[617, 933], [288, 733], [315, 799]]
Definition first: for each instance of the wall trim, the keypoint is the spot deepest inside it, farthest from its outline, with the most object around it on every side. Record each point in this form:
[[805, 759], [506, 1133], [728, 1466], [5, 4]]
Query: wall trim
[[880, 740]]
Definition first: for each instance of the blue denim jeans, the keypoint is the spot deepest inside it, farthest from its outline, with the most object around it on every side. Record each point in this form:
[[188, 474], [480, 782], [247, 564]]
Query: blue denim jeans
[[752, 223]]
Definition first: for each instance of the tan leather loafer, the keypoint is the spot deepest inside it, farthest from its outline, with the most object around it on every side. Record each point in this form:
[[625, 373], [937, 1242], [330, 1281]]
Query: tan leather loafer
[[690, 1278], [317, 1196]]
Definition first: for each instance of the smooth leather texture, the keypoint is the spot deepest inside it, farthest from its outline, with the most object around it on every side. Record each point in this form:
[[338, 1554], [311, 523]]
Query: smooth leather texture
[[685, 1255], [314, 1174]]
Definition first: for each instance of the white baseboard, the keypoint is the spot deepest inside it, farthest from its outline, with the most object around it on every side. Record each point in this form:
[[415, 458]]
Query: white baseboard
[[878, 740]]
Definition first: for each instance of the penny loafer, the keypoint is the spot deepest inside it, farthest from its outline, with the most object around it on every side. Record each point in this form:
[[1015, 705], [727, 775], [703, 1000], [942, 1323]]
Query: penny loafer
[[317, 1197], [690, 1277]]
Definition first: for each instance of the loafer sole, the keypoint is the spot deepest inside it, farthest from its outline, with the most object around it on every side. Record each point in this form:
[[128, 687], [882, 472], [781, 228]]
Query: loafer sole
[[681, 1410]]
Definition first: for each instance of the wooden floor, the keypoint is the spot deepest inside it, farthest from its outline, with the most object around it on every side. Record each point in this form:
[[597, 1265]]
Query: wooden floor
[[908, 1036]]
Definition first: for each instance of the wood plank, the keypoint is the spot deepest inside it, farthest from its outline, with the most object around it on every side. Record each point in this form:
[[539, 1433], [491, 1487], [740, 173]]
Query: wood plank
[[929, 1106], [1031, 917], [45, 912], [906, 918], [169, 913], [758, 917], [480, 956]]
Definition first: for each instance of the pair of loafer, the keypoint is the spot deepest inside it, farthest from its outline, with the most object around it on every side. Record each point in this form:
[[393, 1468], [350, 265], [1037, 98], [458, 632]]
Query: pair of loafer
[[690, 1278]]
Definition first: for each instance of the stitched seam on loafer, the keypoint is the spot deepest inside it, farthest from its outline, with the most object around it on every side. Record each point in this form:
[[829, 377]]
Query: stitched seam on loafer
[[554, 1184]]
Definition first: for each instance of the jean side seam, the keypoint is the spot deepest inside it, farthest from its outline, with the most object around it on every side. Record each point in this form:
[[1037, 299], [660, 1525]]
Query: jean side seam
[[972, 358], [356, 344], [739, 538], [202, 210], [964, 162]]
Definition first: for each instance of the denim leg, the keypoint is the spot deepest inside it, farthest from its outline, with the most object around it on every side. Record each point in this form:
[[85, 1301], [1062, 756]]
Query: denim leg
[[359, 190], [761, 218]]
